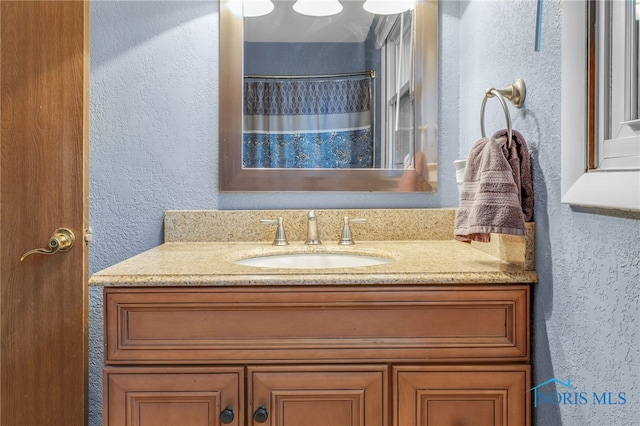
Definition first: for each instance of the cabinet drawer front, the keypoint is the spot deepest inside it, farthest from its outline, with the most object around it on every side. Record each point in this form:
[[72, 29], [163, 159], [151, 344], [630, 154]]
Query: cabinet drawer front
[[302, 324]]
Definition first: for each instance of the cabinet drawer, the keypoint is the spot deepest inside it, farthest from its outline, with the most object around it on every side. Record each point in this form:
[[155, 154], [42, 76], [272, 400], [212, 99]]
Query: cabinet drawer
[[317, 324]]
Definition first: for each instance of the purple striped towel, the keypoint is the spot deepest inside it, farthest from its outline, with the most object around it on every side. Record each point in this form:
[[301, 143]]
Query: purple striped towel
[[497, 192]]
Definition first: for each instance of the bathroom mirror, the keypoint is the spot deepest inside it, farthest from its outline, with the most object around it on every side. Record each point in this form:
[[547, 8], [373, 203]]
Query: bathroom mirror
[[249, 67]]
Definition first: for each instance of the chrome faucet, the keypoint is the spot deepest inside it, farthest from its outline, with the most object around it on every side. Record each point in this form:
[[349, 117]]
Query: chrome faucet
[[312, 229]]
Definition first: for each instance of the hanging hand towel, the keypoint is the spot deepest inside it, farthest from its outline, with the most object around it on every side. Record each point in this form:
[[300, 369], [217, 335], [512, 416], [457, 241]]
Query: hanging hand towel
[[497, 192], [518, 157]]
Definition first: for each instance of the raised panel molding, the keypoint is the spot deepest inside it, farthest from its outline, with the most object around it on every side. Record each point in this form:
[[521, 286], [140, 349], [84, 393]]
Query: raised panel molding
[[156, 408], [349, 395], [318, 407], [187, 396], [478, 395], [280, 325], [462, 406]]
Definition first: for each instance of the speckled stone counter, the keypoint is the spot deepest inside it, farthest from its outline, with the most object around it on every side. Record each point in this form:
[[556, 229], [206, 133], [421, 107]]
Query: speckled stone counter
[[212, 264], [202, 247]]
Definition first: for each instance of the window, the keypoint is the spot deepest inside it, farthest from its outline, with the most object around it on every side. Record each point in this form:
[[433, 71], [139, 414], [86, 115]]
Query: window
[[615, 138], [398, 83], [600, 120]]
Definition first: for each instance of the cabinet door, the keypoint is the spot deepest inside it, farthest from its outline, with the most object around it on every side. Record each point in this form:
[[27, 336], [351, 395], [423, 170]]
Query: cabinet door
[[173, 396], [463, 396], [318, 396]]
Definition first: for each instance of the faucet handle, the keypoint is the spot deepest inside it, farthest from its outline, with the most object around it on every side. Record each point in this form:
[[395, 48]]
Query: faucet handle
[[281, 238], [346, 239]]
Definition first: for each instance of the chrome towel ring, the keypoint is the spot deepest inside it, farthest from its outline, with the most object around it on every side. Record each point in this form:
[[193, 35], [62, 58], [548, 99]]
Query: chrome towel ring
[[515, 92]]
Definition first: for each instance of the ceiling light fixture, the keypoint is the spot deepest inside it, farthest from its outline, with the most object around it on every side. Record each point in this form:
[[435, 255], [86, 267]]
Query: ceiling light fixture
[[388, 7], [251, 8], [317, 7]]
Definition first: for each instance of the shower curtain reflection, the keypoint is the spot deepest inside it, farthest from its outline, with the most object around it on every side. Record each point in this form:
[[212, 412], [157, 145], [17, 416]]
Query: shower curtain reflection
[[311, 122]]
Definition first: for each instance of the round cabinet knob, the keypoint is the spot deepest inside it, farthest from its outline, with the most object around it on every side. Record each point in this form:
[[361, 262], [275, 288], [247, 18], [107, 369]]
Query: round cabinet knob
[[261, 415], [226, 416]]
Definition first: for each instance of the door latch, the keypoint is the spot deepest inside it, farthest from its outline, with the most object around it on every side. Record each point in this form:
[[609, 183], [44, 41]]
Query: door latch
[[61, 240]]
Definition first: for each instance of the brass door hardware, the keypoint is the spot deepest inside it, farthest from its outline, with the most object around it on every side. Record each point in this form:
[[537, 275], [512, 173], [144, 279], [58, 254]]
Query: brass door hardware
[[61, 240]]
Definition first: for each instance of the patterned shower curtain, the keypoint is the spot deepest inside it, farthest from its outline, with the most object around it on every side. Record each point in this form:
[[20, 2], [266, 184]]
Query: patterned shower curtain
[[308, 123]]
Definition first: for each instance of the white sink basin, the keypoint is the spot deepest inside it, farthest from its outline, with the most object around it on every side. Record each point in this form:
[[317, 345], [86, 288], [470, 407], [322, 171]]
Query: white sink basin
[[313, 261]]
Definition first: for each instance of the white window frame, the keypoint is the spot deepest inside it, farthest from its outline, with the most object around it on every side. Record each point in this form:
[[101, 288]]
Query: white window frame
[[615, 184]]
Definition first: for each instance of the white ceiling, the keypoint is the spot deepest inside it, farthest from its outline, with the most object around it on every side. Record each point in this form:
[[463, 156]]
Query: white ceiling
[[285, 25]]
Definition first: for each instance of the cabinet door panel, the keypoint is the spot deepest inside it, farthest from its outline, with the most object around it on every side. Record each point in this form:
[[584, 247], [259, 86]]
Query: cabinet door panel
[[465, 395], [169, 397], [320, 395]]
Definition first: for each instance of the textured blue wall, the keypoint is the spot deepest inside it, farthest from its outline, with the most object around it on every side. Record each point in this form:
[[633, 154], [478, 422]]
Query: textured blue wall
[[153, 129], [585, 306]]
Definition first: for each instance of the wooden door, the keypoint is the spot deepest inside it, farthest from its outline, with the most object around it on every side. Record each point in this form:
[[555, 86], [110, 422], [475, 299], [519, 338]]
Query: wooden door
[[318, 396], [187, 396], [43, 182], [461, 395]]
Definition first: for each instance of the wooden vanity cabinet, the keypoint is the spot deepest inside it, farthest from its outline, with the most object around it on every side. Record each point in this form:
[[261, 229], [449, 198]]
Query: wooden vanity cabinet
[[318, 356]]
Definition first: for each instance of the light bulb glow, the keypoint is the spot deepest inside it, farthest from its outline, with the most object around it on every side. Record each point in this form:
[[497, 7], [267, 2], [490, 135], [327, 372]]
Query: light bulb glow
[[317, 7], [251, 8], [388, 7]]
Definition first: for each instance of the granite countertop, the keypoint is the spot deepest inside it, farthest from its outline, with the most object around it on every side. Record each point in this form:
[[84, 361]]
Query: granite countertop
[[212, 264]]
